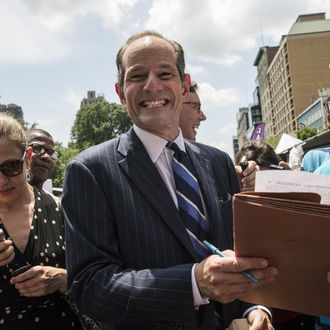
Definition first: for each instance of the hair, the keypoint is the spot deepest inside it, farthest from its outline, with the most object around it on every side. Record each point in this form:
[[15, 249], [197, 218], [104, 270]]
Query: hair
[[180, 62], [262, 153], [193, 88], [33, 132], [11, 130]]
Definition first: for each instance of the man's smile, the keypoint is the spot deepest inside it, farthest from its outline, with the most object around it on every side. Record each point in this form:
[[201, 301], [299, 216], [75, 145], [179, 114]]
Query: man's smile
[[154, 103]]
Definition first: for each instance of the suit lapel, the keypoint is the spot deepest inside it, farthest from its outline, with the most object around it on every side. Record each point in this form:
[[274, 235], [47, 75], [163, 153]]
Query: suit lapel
[[208, 187], [138, 166]]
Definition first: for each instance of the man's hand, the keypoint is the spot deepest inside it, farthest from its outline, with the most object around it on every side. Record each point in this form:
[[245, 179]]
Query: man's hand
[[220, 278], [247, 178], [259, 320], [40, 281]]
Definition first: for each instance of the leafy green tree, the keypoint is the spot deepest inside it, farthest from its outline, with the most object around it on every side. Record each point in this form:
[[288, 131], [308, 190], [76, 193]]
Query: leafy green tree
[[306, 133], [273, 140], [65, 155], [98, 122], [25, 124]]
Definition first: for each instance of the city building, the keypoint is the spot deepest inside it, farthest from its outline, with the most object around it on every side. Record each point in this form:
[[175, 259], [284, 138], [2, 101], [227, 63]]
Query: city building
[[235, 145], [91, 98], [315, 115], [250, 125], [262, 62], [291, 76], [256, 125], [242, 118]]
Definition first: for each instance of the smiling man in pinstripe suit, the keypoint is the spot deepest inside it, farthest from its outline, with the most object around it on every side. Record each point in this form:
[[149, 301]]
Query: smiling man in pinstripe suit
[[130, 261]]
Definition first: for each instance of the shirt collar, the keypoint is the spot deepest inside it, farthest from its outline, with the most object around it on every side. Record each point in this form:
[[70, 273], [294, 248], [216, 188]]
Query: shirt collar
[[155, 144]]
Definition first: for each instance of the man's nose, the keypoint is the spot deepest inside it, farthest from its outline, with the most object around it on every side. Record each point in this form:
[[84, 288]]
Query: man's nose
[[153, 83], [202, 116], [46, 157]]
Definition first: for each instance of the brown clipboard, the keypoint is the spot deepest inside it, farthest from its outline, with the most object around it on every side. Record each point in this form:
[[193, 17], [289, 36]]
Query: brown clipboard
[[291, 230]]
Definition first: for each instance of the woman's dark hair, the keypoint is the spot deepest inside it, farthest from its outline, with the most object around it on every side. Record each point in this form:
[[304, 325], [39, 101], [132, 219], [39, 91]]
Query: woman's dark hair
[[260, 152]]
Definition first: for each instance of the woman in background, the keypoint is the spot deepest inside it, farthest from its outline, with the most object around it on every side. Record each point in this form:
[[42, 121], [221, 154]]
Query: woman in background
[[33, 239]]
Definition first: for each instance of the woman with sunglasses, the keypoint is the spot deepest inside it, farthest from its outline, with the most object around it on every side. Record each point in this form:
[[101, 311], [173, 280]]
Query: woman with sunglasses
[[32, 251]]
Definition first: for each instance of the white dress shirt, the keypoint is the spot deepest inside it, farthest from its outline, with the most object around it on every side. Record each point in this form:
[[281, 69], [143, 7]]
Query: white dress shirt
[[162, 158]]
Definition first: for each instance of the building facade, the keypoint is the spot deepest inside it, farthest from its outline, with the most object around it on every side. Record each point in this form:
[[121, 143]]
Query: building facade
[[91, 98], [291, 80], [314, 115], [242, 118], [262, 62]]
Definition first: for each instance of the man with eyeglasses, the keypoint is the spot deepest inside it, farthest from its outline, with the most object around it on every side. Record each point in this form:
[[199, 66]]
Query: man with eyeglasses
[[190, 119], [43, 158], [192, 114]]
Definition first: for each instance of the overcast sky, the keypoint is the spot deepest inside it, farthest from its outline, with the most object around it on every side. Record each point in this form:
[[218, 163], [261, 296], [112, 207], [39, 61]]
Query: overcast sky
[[53, 51]]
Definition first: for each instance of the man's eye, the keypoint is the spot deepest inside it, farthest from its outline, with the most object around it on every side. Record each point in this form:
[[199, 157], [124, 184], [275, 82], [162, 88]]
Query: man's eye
[[166, 75], [136, 77]]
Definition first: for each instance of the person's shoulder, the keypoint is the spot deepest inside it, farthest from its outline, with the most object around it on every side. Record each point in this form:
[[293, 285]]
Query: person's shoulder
[[324, 168], [97, 150], [46, 196], [207, 150]]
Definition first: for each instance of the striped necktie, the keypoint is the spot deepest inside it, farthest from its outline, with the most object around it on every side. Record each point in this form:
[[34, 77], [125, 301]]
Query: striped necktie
[[189, 199]]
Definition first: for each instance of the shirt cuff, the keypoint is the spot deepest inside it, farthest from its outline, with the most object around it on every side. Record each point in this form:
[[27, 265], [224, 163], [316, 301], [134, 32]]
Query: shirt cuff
[[265, 309], [198, 299]]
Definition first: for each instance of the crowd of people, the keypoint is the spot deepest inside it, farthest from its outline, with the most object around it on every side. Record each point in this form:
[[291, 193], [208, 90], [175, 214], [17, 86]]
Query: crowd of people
[[125, 243]]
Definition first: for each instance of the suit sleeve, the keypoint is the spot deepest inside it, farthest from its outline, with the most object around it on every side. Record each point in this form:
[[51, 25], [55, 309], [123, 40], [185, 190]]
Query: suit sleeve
[[98, 280]]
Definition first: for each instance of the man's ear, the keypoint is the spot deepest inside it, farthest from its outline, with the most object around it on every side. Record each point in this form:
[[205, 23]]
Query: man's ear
[[120, 93], [186, 85]]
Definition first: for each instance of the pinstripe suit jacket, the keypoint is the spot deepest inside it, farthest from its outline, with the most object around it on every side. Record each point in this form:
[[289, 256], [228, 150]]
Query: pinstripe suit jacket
[[129, 258]]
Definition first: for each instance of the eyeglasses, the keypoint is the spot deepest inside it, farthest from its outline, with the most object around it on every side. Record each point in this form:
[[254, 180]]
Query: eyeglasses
[[41, 150], [12, 168], [197, 106]]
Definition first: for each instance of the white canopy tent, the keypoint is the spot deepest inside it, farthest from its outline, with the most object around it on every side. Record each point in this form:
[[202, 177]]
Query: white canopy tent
[[286, 143]]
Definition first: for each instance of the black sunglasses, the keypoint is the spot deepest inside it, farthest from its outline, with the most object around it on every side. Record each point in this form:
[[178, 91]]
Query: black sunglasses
[[12, 168], [41, 150]]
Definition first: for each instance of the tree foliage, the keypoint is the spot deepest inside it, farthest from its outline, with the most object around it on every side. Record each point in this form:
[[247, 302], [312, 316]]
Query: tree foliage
[[98, 122], [94, 123], [65, 155], [306, 132], [273, 140]]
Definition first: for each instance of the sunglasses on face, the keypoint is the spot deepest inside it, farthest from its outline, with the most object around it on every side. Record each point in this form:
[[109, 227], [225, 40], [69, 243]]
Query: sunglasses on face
[[41, 150], [12, 168]]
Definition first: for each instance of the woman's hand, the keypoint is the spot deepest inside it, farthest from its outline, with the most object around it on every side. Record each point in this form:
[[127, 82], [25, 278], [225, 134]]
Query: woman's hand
[[40, 281], [7, 253]]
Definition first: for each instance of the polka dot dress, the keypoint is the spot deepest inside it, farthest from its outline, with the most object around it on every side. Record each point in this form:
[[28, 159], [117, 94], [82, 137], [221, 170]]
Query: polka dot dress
[[45, 247]]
